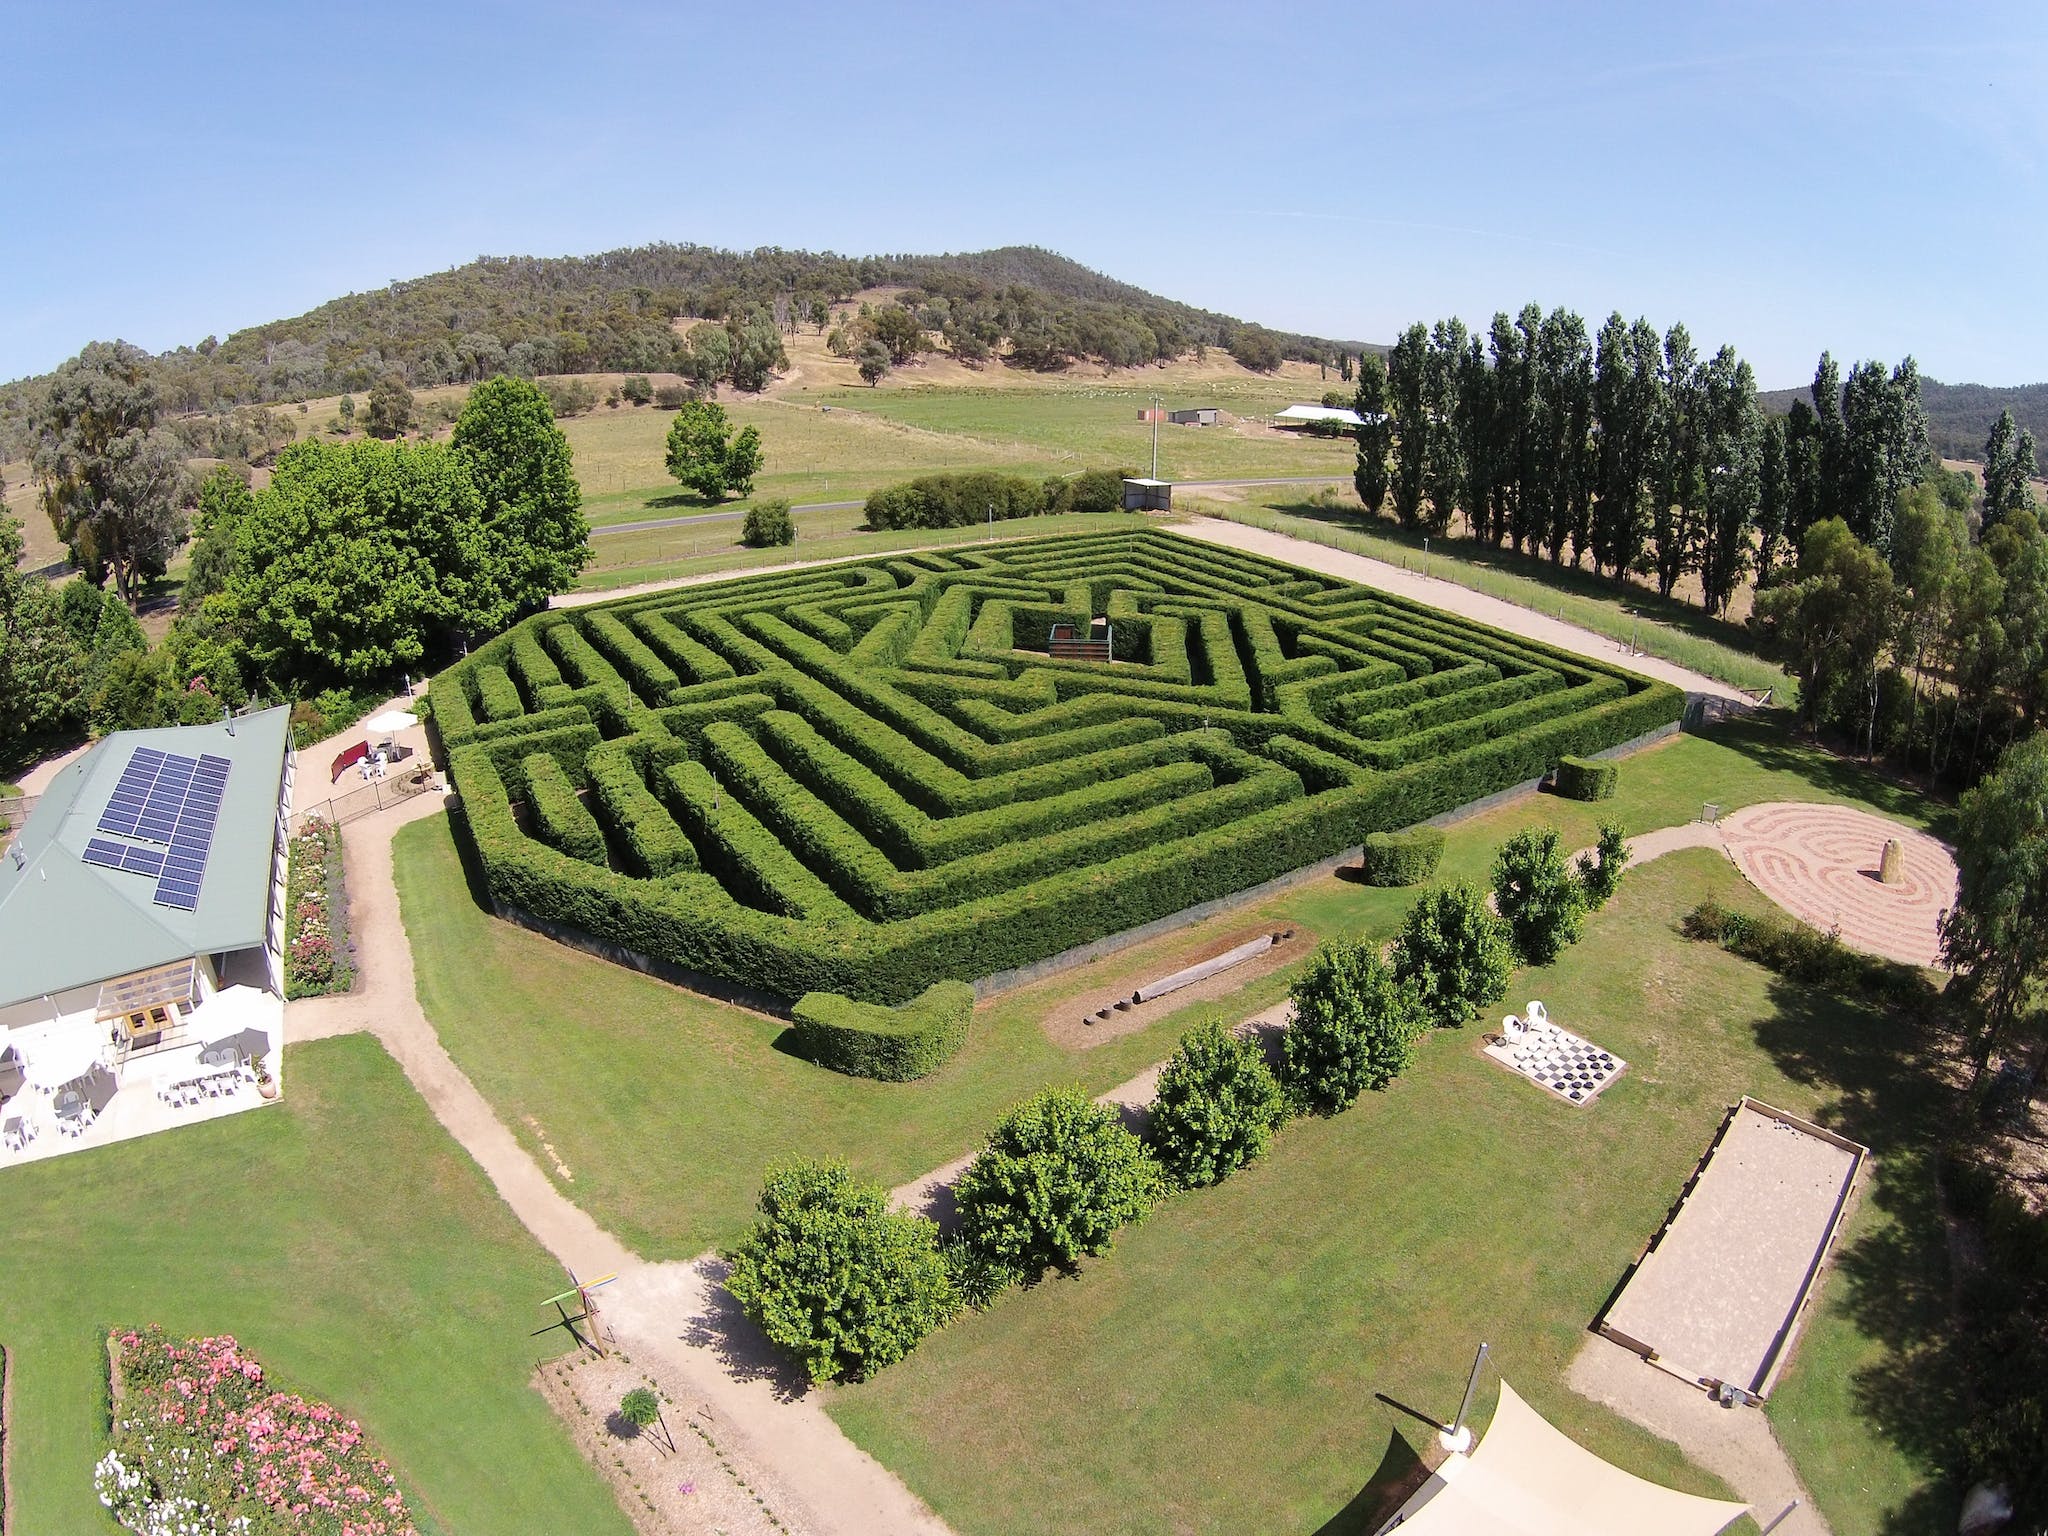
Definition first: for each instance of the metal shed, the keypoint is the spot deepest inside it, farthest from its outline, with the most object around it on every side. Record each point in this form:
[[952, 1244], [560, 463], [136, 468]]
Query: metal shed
[[1148, 495]]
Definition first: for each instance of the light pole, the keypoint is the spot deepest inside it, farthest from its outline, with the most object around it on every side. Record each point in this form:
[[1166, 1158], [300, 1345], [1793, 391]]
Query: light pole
[[1456, 1438], [1425, 557]]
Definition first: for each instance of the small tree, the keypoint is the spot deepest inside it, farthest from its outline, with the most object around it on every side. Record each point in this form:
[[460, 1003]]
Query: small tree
[[348, 413], [1216, 1108], [874, 362], [1355, 1027], [637, 388], [836, 1280], [1600, 871], [706, 455], [1539, 897], [1455, 953], [642, 1409], [1058, 1177], [768, 523], [389, 412]]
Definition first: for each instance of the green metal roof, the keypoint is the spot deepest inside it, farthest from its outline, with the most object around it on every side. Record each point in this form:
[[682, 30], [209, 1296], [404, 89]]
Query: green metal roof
[[66, 923]]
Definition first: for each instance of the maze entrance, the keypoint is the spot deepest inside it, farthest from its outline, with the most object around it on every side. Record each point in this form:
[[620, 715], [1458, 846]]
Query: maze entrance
[[865, 777]]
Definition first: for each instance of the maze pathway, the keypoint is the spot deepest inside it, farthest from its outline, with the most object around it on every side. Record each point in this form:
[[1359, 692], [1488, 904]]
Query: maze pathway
[[867, 777], [1820, 863]]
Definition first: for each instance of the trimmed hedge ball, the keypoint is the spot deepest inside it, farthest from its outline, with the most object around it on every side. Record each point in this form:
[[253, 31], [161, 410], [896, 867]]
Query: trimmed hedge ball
[[1402, 858], [1587, 778], [891, 1045]]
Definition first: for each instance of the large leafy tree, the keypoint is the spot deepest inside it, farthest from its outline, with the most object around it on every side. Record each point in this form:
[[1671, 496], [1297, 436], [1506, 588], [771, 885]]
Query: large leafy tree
[[1885, 449], [42, 673], [224, 502], [390, 408], [362, 559], [1996, 936], [1058, 1177], [1355, 1027], [1730, 446], [521, 466], [1376, 435], [1443, 459], [1539, 895], [708, 456], [1833, 621], [110, 476], [1216, 1106], [1455, 952], [1675, 503], [1773, 496], [839, 1282]]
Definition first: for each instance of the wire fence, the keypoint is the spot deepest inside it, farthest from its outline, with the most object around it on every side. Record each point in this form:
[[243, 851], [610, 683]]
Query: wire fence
[[364, 799]]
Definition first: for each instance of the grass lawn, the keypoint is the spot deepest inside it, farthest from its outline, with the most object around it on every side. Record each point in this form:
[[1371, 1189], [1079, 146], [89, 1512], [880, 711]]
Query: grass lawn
[[1346, 1248], [1369, 1254], [344, 1238], [702, 549], [1676, 631]]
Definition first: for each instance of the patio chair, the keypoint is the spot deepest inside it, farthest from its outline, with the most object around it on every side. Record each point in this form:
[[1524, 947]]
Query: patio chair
[[17, 1133], [1536, 1014]]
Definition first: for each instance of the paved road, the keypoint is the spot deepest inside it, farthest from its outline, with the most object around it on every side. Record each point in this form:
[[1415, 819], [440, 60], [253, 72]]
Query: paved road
[[651, 523]]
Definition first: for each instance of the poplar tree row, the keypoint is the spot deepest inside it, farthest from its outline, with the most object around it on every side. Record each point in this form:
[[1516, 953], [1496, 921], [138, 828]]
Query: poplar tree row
[[1628, 449]]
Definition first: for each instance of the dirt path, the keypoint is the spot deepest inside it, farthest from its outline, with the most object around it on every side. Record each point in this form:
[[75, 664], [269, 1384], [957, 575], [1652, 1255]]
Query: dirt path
[[1737, 1445], [1449, 596], [673, 1320]]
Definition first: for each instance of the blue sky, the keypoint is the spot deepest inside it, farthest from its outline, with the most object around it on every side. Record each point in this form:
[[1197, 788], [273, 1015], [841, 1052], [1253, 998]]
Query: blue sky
[[1866, 177]]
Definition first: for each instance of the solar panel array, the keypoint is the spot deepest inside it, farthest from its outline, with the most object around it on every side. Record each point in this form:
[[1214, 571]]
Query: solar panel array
[[167, 798]]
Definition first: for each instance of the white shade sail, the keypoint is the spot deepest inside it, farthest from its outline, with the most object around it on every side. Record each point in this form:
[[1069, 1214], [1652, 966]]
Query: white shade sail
[[1526, 1478]]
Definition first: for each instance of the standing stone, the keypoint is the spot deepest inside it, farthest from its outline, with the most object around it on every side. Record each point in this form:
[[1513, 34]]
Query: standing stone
[[1891, 865]]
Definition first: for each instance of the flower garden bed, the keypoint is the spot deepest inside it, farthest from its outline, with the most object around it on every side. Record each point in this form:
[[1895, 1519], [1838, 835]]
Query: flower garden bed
[[318, 957], [203, 1442]]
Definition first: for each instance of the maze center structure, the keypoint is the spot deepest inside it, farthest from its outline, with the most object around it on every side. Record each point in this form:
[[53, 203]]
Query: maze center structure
[[863, 778]]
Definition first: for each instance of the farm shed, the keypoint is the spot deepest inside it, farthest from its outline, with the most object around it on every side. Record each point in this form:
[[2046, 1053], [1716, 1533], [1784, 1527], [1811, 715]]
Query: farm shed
[[1195, 416], [1148, 495]]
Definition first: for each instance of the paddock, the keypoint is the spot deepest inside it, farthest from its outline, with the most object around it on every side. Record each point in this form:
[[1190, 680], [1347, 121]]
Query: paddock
[[1719, 1295]]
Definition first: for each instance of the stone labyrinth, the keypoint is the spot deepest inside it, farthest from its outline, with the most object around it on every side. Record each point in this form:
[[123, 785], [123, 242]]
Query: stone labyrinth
[[1820, 863], [863, 778]]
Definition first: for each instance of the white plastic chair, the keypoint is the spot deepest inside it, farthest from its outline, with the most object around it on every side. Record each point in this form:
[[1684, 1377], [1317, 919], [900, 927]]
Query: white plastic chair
[[1535, 1014]]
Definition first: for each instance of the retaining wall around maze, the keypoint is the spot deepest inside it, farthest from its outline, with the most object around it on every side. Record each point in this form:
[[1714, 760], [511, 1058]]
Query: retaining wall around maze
[[857, 779]]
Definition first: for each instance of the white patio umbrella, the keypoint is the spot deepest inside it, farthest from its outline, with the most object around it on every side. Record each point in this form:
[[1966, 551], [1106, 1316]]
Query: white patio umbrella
[[240, 1015], [55, 1060], [391, 722]]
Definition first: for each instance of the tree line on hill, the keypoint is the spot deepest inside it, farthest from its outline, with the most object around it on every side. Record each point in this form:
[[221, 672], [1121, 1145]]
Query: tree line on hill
[[1907, 602], [616, 312], [360, 562]]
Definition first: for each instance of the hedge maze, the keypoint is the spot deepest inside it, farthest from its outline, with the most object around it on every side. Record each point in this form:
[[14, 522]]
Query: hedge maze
[[867, 778]]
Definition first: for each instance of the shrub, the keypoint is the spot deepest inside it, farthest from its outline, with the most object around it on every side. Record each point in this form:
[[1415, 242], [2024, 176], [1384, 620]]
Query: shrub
[[768, 523], [1539, 897], [1587, 778], [1455, 953], [672, 397], [1355, 1027], [1402, 858], [892, 1045], [837, 1281], [1216, 1108], [642, 1409], [1813, 958], [1600, 871], [568, 397], [956, 500], [1057, 1179], [637, 389], [1093, 490]]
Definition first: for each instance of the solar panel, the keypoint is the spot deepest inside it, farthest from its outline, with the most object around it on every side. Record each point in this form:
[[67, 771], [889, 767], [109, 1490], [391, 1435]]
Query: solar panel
[[169, 799]]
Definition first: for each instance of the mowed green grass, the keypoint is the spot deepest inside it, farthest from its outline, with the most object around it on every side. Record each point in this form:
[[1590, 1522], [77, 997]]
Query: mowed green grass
[[1219, 1369], [705, 549], [345, 1239]]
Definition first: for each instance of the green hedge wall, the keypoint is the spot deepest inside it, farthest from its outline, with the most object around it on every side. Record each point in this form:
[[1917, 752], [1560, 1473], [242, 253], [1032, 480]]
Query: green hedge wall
[[892, 1045], [560, 819], [1587, 778], [1402, 858]]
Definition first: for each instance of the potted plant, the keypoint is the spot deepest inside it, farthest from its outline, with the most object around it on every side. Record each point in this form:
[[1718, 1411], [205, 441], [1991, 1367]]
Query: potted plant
[[265, 1083]]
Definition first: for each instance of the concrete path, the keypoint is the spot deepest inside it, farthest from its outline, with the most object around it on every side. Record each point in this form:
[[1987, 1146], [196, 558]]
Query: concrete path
[[674, 1320], [1451, 597]]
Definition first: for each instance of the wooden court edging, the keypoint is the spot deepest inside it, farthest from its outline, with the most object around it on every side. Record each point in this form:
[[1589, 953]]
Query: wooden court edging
[[1781, 1348]]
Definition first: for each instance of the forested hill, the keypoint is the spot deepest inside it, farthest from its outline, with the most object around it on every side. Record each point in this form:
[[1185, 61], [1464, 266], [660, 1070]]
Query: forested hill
[[1959, 416], [614, 312]]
